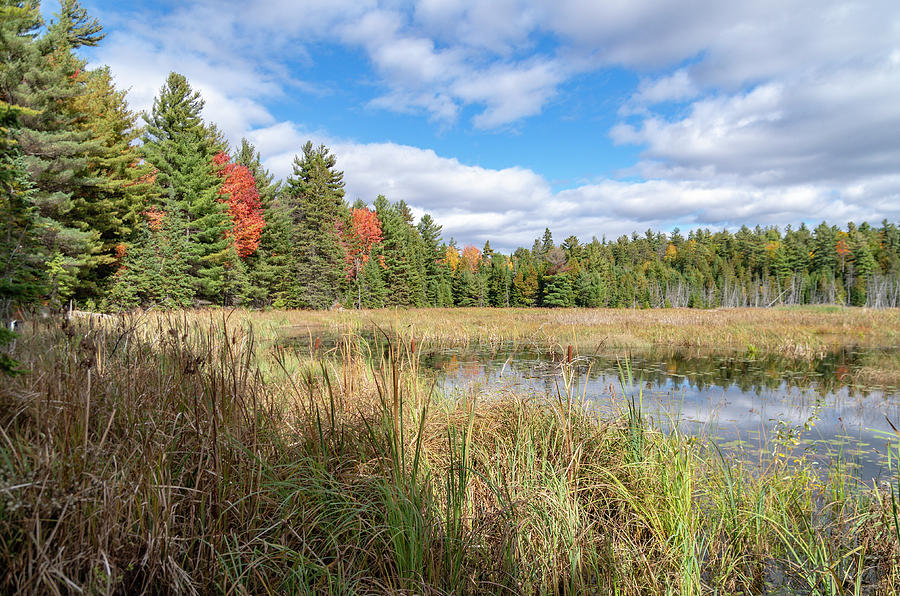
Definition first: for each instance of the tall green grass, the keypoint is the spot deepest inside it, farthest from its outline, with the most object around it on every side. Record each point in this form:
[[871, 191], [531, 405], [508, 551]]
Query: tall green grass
[[175, 454]]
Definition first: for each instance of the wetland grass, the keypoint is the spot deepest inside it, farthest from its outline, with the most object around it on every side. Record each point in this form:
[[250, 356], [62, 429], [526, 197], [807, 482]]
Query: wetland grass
[[180, 453], [799, 332]]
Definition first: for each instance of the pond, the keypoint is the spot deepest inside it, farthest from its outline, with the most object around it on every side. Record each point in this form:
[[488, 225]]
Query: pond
[[750, 404]]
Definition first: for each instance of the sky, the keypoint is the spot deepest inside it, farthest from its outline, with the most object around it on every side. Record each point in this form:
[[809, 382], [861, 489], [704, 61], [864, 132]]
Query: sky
[[592, 118]]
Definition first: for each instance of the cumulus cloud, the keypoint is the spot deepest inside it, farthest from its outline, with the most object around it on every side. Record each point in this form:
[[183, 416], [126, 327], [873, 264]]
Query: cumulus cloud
[[827, 128], [792, 94], [512, 206], [499, 26], [510, 93], [765, 112]]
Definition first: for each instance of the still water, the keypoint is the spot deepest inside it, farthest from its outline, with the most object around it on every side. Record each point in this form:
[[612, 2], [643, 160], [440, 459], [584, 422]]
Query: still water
[[754, 405]]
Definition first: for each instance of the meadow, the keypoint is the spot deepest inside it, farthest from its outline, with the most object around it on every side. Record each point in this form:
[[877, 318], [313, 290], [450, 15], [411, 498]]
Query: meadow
[[197, 452], [787, 329]]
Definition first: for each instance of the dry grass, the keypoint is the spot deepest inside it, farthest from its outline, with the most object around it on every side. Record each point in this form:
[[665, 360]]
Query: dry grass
[[788, 330], [176, 454]]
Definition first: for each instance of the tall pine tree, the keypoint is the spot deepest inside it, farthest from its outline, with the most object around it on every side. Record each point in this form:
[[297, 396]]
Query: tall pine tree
[[402, 250], [181, 148], [437, 275], [315, 194], [41, 72], [111, 208]]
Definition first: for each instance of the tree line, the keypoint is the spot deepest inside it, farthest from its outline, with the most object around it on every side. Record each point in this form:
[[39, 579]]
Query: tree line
[[114, 210]]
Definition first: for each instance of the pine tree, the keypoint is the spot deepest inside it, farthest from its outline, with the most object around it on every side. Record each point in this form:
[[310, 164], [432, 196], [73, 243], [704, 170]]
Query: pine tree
[[315, 193], [22, 275], [20, 263], [402, 250], [558, 291], [437, 275], [181, 148], [42, 73], [235, 283], [415, 251], [500, 280], [273, 264], [249, 157], [888, 253], [156, 269], [588, 290], [525, 286], [75, 28], [374, 292], [111, 209]]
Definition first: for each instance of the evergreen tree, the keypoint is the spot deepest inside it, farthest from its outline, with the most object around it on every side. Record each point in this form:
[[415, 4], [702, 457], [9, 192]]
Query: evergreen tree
[[274, 263], [467, 290], [558, 291], [525, 286], [588, 290], [181, 148], [21, 258], [500, 280], [235, 283], [374, 291], [249, 157], [156, 269], [111, 209], [402, 249], [74, 27], [315, 193], [42, 73], [22, 261], [437, 275], [825, 257], [888, 250]]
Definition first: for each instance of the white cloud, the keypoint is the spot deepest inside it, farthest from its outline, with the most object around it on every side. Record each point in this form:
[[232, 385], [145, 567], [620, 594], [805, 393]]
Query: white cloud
[[233, 92], [675, 87], [827, 127], [510, 92], [420, 75], [499, 26], [512, 206], [765, 112]]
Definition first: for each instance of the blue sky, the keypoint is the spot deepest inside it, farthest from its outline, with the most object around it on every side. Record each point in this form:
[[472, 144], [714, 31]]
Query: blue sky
[[593, 118]]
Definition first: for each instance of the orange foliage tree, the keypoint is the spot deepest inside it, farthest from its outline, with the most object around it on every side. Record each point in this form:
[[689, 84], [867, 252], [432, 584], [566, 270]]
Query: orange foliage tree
[[471, 258], [359, 238], [239, 191], [842, 248]]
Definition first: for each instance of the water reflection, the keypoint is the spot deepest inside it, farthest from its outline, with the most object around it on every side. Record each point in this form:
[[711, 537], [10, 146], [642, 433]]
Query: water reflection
[[762, 404]]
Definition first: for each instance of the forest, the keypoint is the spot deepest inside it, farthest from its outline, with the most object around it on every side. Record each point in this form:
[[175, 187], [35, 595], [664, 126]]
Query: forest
[[109, 210]]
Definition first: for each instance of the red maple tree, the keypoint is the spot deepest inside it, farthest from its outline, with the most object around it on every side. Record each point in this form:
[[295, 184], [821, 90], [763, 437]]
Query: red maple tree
[[239, 191], [359, 238]]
